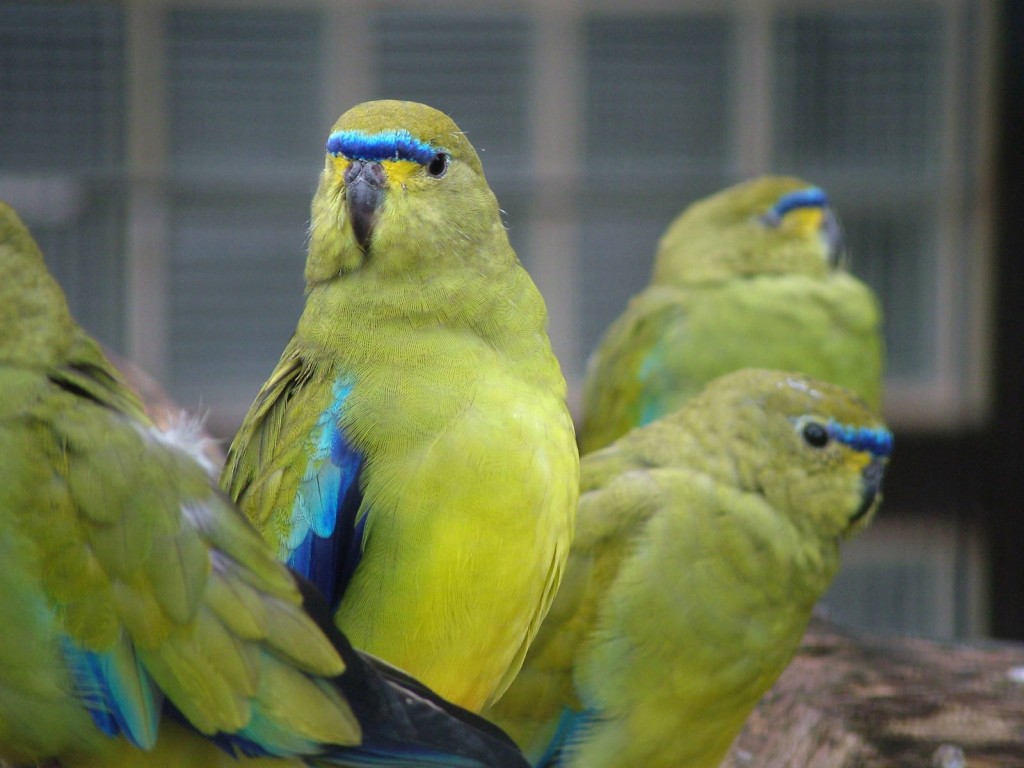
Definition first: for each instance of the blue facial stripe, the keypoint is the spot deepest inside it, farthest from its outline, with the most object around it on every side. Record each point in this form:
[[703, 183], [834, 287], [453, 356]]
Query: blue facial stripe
[[811, 197], [325, 539], [386, 145], [876, 441]]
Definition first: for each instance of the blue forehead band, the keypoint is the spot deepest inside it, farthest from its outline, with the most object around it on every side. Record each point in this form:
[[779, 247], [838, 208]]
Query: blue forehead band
[[386, 145], [811, 197], [877, 441]]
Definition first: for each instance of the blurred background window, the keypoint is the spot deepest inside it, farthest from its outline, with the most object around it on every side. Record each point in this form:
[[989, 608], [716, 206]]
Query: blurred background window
[[164, 153]]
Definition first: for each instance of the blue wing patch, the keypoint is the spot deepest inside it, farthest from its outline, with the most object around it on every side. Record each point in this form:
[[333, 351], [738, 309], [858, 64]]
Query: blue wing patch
[[326, 539], [118, 693], [651, 376]]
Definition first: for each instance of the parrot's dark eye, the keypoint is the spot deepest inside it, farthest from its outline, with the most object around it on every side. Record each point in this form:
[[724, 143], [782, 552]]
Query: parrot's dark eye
[[815, 434], [438, 167]]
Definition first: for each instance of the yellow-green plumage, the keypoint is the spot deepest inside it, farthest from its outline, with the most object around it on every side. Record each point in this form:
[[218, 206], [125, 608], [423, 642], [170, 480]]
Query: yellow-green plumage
[[130, 585], [97, 553], [422, 352], [703, 541], [735, 287]]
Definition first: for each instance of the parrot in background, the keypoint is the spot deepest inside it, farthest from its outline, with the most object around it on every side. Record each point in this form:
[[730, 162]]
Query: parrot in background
[[412, 453], [145, 621], [750, 277], [703, 541]]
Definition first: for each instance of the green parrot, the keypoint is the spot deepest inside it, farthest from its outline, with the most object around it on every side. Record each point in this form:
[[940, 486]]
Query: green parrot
[[412, 453], [750, 277], [145, 621], [703, 541]]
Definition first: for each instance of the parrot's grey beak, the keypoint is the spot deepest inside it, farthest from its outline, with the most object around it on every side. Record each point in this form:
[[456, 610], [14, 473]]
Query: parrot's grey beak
[[871, 486], [364, 189]]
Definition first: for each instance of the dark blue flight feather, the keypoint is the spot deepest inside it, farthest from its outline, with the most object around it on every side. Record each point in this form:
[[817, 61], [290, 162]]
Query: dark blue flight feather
[[326, 538]]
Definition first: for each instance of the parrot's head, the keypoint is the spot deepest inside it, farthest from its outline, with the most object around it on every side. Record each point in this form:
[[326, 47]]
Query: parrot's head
[[35, 323], [769, 225], [813, 449], [399, 179]]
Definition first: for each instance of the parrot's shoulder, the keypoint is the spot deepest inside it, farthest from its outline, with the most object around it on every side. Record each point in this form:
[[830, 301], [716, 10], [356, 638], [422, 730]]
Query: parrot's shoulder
[[616, 496], [642, 323], [855, 304], [612, 512], [839, 297], [289, 375], [620, 368], [608, 520], [611, 518], [87, 372], [276, 430], [21, 387]]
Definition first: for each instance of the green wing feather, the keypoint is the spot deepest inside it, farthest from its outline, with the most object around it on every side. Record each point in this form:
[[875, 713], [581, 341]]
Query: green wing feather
[[145, 577]]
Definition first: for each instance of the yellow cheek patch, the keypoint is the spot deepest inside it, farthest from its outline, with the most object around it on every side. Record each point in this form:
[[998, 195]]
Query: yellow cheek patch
[[339, 163], [803, 221], [857, 460], [399, 171]]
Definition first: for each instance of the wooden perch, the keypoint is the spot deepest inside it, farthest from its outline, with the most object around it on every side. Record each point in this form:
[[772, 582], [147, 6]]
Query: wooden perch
[[851, 698]]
